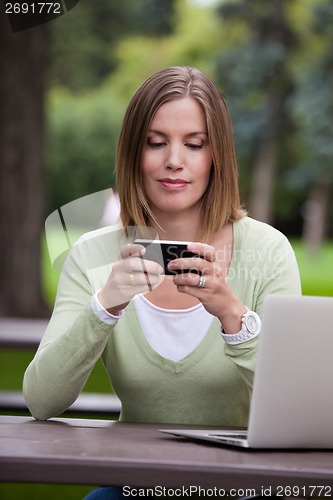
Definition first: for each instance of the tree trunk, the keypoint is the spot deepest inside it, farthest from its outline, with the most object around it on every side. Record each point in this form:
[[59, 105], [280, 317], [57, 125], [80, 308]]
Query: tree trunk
[[261, 201], [315, 217], [22, 66], [277, 87]]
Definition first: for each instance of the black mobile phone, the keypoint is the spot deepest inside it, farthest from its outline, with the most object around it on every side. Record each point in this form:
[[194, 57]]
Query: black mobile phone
[[163, 251]]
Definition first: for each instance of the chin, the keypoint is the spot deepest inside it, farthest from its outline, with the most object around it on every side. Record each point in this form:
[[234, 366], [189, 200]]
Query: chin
[[176, 208]]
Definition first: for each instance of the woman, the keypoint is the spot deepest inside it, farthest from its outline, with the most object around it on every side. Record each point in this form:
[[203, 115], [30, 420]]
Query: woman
[[180, 348]]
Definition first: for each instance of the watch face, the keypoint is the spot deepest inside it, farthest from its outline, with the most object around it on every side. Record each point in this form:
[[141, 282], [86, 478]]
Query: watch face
[[251, 323]]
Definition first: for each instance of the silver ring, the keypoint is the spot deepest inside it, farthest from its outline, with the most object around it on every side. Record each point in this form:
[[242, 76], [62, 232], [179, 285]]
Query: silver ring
[[202, 282]]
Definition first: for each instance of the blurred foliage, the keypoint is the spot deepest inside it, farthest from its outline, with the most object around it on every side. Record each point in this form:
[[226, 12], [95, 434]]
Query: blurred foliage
[[82, 43], [312, 104], [102, 51], [255, 76], [182, 47], [82, 132], [283, 59], [83, 125]]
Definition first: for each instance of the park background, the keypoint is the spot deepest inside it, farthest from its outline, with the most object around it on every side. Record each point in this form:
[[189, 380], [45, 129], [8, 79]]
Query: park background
[[64, 86]]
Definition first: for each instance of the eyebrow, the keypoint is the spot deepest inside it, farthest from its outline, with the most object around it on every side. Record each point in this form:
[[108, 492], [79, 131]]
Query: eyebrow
[[191, 134]]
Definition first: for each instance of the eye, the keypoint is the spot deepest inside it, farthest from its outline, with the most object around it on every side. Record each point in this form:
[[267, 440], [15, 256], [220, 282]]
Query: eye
[[194, 146], [155, 145]]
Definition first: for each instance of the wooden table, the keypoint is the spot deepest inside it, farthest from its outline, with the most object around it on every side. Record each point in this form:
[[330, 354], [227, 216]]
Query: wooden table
[[101, 452]]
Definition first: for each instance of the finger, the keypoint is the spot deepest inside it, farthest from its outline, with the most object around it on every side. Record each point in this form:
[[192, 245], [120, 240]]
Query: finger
[[204, 250], [189, 290], [188, 280], [132, 249], [191, 263], [141, 282], [139, 265], [140, 279]]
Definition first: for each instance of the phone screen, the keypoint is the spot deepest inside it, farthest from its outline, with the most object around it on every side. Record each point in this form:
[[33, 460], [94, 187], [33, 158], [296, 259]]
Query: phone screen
[[162, 252]]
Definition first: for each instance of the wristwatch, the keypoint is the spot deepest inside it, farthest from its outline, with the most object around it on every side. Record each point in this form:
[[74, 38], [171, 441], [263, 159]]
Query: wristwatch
[[251, 326]]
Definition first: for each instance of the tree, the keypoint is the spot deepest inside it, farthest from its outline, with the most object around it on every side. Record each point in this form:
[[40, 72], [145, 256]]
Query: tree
[[82, 133], [312, 107], [254, 75], [180, 47], [83, 43], [22, 63], [83, 124]]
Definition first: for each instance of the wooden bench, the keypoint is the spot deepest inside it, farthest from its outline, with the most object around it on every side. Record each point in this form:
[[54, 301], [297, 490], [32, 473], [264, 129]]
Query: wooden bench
[[87, 402], [17, 333]]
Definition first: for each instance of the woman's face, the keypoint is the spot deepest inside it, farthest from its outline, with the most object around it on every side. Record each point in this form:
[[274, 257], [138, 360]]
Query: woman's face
[[177, 157]]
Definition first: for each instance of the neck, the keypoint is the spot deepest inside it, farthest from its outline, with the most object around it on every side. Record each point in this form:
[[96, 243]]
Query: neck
[[177, 227]]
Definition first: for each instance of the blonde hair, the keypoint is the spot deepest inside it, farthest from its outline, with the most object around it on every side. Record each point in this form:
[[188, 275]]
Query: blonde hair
[[220, 203]]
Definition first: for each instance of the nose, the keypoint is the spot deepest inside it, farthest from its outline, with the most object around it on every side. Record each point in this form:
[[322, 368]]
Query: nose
[[174, 160]]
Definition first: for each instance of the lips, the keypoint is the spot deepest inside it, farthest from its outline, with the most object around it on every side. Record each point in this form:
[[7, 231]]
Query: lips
[[173, 183]]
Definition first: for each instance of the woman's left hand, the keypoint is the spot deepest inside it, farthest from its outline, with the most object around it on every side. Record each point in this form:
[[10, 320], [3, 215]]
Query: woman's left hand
[[210, 285]]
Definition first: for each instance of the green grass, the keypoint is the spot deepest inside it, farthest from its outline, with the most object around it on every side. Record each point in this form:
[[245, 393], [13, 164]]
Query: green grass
[[25, 491], [316, 271], [13, 365]]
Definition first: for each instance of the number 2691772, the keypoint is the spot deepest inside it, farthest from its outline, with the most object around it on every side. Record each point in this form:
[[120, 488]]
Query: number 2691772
[[33, 8]]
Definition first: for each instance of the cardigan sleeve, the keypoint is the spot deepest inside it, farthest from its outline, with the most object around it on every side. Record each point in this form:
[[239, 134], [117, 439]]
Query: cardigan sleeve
[[276, 273], [72, 343]]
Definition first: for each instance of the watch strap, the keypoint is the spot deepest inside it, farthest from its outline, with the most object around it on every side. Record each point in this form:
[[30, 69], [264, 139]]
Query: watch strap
[[244, 335]]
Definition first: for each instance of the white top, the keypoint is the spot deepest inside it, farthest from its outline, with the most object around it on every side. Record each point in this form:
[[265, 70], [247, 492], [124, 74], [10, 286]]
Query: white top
[[172, 333], [184, 336]]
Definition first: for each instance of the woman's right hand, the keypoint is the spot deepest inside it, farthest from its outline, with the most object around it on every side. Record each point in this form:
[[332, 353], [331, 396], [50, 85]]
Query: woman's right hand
[[129, 276]]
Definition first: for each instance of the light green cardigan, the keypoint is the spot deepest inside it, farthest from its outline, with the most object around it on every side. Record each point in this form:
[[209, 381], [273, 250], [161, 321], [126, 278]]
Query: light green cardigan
[[210, 386]]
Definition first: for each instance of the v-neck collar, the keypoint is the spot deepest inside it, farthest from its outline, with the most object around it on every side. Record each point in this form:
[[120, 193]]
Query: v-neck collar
[[211, 338], [180, 366]]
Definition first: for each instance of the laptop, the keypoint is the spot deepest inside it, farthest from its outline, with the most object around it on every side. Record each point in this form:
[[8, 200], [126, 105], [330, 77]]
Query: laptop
[[292, 397]]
